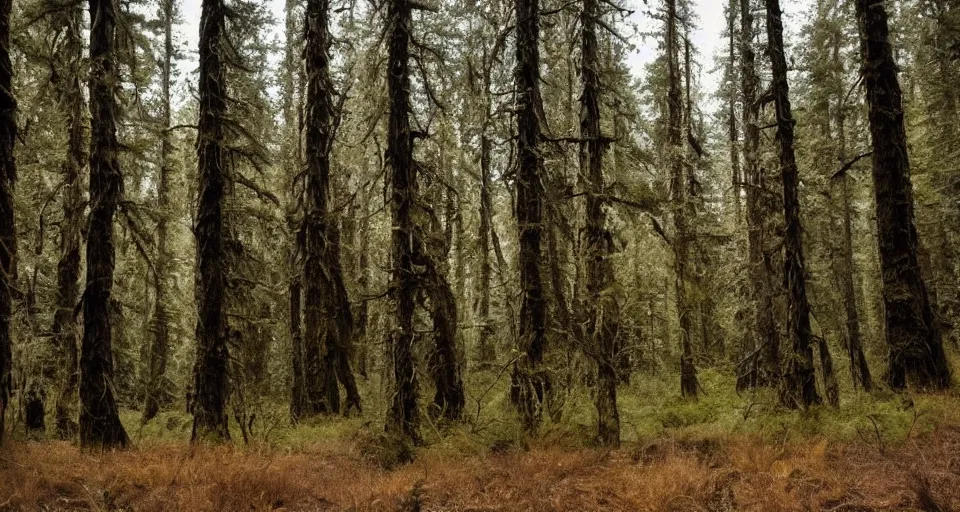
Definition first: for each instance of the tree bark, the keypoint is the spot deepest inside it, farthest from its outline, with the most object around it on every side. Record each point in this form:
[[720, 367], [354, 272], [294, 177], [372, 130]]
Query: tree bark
[[859, 371], [8, 232], [488, 353], [328, 323], [210, 370], [99, 417], [678, 186], [403, 418], [66, 80], [735, 171], [529, 383], [763, 367], [157, 391], [916, 355], [604, 307], [799, 385]]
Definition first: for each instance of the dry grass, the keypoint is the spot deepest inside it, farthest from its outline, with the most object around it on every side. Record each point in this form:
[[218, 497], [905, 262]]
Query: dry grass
[[725, 473]]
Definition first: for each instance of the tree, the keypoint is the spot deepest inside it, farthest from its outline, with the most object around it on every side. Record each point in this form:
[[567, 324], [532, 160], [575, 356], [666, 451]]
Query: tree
[[328, 323], [416, 273], [156, 388], [681, 208], [916, 355], [8, 232], [292, 104], [605, 310], [66, 81], [799, 386], [210, 370], [529, 383], [763, 363], [732, 128], [99, 416]]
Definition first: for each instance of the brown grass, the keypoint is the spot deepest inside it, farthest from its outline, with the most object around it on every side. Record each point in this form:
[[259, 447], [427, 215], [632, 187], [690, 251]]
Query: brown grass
[[736, 473]]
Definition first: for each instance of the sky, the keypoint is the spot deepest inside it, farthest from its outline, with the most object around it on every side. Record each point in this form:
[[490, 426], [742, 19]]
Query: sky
[[707, 38]]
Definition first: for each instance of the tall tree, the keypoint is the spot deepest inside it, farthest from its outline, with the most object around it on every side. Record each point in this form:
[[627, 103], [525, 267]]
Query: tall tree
[[292, 102], [210, 369], [605, 310], [404, 414], [327, 320], [763, 364], [99, 416], [160, 344], [916, 355], [678, 188], [65, 77], [8, 232], [529, 383], [799, 386], [732, 128]]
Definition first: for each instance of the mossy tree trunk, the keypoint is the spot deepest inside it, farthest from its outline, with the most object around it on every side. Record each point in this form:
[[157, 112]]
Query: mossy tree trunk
[[100, 425], [799, 384], [210, 388], [916, 355], [529, 384], [8, 232]]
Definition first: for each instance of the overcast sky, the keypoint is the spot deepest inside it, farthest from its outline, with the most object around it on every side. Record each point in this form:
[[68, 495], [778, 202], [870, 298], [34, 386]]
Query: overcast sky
[[707, 38]]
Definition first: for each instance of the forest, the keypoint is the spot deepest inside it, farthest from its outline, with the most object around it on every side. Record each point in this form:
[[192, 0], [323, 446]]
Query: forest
[[479, 255]]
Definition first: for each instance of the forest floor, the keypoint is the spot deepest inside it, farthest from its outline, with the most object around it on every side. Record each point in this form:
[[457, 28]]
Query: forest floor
[[725, 452], [736, 473]]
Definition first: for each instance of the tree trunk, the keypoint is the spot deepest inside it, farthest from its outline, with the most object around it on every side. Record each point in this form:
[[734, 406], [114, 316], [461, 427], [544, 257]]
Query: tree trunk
[[799, 386], [763, 363], [735, 172], [327, 321], [916, 358], [603, 305], [99, 417], [528, 381], [64, 328], [859, 371], [298, 392], [449, 398], [678, 187], [403, 417], [488, 353], [210, 370], [156, 392], [8, 232]]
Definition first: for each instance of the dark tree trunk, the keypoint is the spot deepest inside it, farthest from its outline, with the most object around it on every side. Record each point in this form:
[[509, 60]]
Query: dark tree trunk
[[799, 385], [403, 417], [604, 308], [488, 353], [917, 358], [528, 381], [859, 370], [762, 364], [64, 328], [328, 323], [8, 232], [678, 186], [99, 417], [298, 393], [209, 399], [449, 398], [156, 392], [362, 309]]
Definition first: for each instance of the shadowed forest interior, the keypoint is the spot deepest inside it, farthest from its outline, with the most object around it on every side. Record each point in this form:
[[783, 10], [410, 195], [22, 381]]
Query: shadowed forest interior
[[553, 254]]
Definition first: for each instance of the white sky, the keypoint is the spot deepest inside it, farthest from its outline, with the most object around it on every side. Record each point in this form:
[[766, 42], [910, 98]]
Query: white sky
[[707, 38]]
